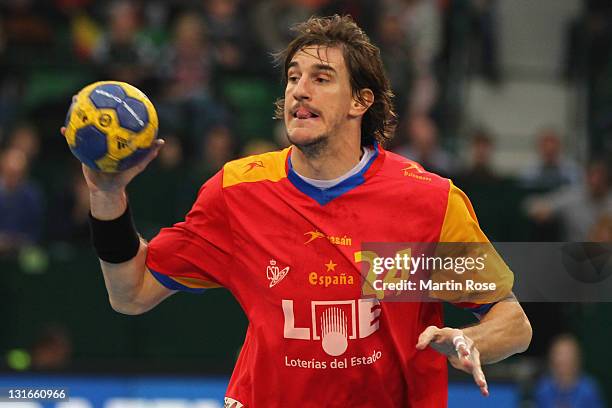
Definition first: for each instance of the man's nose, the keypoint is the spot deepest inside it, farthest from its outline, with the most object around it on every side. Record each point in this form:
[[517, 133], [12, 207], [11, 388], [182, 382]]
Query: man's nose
[[302, 89]]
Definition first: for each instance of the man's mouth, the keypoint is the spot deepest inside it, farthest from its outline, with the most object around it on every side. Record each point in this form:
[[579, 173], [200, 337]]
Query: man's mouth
[[304, 113]]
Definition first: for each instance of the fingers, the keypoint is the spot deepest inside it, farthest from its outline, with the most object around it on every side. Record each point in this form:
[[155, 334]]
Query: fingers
[[426, 337], [440, 340], [159, 143], [155, 148], [461, 346], [460, 350], [478, 374], [469, 361]]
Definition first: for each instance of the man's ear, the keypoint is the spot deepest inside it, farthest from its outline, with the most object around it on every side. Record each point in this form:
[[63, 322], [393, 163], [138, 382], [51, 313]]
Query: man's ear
[[360, 105]]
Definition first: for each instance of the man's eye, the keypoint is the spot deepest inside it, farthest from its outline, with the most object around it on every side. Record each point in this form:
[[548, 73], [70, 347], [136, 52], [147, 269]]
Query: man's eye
[[322, 79], [293, 78]]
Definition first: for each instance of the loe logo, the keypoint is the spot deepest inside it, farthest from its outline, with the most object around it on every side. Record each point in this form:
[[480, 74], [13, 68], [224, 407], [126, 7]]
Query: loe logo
[[334, 322]]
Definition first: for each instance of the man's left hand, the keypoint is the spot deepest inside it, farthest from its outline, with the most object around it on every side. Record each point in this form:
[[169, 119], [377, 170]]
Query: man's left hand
[[460, 350]]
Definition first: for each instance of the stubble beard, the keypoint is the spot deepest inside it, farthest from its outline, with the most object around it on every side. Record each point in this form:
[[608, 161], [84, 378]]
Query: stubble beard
[[318, 146], [312, 149]]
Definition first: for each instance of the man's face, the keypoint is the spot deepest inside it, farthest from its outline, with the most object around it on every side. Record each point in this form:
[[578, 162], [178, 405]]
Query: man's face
[[565, 360], [550, 147], [482, 152], [597, 179], [318, 95]]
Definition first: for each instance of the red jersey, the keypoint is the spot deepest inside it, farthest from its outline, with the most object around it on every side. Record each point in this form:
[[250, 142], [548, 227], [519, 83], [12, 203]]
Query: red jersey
[[289, 253]]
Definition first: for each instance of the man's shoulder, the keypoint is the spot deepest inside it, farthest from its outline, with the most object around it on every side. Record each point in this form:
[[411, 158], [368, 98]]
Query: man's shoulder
[[412, 175], [269, 166]]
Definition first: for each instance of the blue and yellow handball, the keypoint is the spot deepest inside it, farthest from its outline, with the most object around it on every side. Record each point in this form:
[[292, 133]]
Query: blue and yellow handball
[[111, 126]]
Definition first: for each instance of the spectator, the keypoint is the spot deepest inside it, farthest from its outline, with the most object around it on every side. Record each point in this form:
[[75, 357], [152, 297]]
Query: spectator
[[365, 12], [188, 106], [69, 212], [187, 61], [26, 24], [41, 167], [552, 170], [490, 192], [421, 23], [423, 147], [576, 207], [273, 19], [25, 137], [566, 385], [484, 38], [20, 203], [219, 147], [588, 58], [396, 56], [587, 54], [123, 52], [480, 170], [229, 35], [52, 350], [85, 31], [164, 178]]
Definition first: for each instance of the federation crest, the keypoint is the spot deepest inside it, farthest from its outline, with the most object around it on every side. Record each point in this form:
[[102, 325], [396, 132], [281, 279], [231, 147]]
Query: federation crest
[[275, 274]]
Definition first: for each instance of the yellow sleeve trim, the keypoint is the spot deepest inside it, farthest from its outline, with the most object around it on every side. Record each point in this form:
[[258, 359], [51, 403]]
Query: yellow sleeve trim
[[195, 283], [460, 222], [251, 169], [461, 228]]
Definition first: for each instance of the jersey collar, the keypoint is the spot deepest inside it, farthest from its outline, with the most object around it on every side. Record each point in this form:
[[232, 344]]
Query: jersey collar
[[324, 196]]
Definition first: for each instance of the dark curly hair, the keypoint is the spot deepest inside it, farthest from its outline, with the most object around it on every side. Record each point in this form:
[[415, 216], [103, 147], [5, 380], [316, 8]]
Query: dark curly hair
[[364, 66]]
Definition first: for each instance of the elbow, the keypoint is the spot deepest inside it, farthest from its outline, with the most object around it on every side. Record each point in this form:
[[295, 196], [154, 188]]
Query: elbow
[[526, 333], [127, 308]]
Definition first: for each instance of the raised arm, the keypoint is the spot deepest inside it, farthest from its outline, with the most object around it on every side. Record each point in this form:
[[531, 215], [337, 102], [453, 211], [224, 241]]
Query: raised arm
[[131, 287]]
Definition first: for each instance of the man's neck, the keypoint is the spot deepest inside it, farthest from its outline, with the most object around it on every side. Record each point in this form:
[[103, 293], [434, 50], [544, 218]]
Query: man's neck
[[330, 163]]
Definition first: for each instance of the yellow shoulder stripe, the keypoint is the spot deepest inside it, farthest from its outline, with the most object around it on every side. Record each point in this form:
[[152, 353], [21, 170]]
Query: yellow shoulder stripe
[[469, 241], [267, 166], [460, 222]]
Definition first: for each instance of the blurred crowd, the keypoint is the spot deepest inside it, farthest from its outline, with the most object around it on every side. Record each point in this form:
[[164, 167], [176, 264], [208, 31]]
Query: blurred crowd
[[208, 67]]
